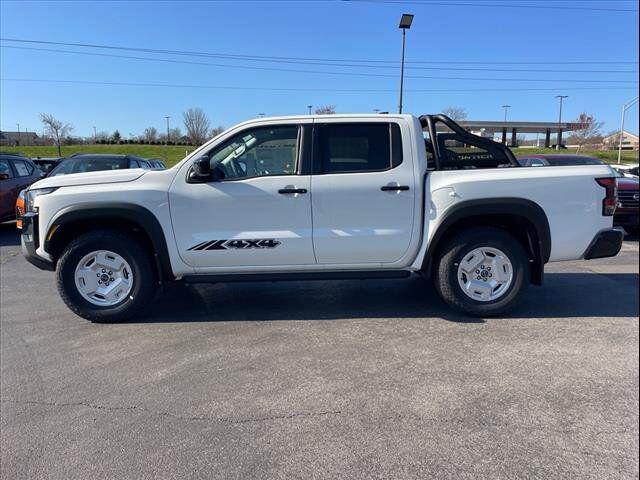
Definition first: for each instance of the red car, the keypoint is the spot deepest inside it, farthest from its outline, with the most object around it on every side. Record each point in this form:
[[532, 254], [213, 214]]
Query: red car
[[626, 214], [16, 173]]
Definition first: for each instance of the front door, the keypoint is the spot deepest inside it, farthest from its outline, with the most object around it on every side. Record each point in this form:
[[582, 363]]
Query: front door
[[363, 193], [257, 215]]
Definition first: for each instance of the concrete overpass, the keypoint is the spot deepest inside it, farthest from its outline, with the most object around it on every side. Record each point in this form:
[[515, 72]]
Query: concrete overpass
[[491, 127]]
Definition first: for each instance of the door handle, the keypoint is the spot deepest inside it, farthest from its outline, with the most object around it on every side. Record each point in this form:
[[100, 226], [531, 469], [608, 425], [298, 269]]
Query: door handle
[[394, 188], [289, 191]]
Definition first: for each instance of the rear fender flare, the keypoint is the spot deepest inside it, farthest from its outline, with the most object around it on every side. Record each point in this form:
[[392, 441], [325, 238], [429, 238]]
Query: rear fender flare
[[539, 245]]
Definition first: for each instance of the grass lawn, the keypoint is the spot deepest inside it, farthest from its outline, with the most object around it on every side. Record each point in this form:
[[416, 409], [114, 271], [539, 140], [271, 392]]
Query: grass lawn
[[174, 153], [170, 155]]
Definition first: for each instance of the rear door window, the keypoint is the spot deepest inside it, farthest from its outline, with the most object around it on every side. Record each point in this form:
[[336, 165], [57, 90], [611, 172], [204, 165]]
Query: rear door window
[[23, 169], [358, 147]]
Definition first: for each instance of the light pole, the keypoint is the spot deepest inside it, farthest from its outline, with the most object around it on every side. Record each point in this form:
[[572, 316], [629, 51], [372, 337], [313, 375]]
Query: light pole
[[561, 97], [405, 23], [625, 107], [166, 145], [18, 133], [309, 107], [506, 109]]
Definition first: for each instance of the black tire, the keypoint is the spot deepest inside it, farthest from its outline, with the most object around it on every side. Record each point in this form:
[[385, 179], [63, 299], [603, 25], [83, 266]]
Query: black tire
[[144, 279], [450, 256]]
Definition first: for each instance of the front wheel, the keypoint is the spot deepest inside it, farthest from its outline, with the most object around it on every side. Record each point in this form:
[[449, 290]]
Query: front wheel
[[482, 271], [105, 276]]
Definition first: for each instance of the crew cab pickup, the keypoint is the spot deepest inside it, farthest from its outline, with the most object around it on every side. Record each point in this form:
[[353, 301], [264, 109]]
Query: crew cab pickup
[[321, 197]]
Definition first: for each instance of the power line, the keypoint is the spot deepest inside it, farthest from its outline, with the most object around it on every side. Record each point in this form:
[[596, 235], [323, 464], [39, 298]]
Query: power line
[[495, 5], [295, 89], [325, 72], [276, 59], [473, 69]]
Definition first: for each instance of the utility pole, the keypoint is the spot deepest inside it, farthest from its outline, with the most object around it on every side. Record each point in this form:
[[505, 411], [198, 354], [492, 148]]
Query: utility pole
[[166, 145], [18, 133], [405, 23], [625, 107], [561, 97]]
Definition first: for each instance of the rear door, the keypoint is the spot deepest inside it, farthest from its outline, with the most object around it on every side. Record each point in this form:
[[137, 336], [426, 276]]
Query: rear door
[[363, 192]]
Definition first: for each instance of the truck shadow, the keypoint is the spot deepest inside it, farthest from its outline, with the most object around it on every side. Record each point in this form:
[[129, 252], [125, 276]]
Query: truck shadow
[[564, 295]]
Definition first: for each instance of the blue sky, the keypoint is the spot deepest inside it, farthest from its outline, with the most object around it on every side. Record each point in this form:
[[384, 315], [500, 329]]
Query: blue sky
[[456, 31]]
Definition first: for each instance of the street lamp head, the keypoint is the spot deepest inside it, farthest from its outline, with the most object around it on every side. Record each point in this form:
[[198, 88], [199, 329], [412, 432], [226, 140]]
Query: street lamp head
[[405, 20]]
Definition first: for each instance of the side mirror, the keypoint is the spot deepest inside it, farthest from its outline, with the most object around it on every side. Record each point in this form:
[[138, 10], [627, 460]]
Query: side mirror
[[201, 170]]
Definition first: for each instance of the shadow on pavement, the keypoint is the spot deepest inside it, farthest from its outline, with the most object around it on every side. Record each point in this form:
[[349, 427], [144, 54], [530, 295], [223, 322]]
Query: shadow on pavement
[[9, 234], [563, 295]]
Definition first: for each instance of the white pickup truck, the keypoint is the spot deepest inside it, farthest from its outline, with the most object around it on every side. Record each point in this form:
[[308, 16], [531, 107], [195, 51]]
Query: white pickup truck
[[320, 197]]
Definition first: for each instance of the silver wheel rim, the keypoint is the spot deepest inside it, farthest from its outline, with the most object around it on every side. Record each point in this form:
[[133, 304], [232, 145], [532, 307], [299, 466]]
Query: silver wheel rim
[[103, 278], [485, 274]]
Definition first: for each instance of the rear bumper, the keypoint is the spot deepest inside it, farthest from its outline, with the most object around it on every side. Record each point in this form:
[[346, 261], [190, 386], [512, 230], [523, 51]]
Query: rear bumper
[[606, 243], [30, 242]]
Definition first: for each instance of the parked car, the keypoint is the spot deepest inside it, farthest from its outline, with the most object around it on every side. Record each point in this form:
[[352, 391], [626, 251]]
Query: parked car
[[557, 160], [630, 171], [16, 173], [90, 162], [321, 197], [46, 164], [628, 209]]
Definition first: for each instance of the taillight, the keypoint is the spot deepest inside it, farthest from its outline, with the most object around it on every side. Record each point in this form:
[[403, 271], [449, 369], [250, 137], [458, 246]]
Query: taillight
[[610, 200], [20, 209]]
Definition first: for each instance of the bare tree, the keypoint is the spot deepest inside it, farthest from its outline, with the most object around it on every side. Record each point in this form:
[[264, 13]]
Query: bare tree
[[216, 131], [150, 134], [590, 131], [326, 110], [197, 125], [55, 128], [174, 134], [455, 113]]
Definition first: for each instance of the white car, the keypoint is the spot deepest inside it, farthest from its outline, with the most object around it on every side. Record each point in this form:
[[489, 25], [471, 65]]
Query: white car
[[626, 170], [321, 197]]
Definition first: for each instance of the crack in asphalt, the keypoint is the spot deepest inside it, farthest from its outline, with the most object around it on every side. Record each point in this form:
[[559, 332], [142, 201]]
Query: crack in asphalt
[[173, 415]]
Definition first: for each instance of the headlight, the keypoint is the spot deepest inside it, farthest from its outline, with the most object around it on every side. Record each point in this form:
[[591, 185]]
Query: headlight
[[31, 195]]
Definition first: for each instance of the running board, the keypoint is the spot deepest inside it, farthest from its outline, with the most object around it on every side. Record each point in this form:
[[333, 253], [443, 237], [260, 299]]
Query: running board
[[300, 276]]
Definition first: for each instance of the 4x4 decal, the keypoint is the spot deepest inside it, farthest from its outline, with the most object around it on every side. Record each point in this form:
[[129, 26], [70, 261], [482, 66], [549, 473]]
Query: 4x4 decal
[[237, 243]]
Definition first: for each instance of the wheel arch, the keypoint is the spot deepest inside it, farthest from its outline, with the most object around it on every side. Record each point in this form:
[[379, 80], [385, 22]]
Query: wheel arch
[[523, 218], [80, 218]]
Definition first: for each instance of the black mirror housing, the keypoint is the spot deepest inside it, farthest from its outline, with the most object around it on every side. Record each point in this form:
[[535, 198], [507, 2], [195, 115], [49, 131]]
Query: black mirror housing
[[200, 170]]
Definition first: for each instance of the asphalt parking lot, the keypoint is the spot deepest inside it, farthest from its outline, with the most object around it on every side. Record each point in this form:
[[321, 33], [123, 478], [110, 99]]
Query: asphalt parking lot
[[358, 379]]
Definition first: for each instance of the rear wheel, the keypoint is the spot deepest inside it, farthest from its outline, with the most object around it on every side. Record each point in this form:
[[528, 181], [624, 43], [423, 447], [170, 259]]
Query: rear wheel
[[482, 271], [105, 276]]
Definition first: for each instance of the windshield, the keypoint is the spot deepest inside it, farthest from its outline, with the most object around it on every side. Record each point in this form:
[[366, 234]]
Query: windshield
[[89, 164]]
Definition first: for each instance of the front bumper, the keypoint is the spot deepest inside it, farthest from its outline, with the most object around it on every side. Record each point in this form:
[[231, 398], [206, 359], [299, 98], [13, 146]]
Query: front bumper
[[30, 242], [626, 219], [606, 243]]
